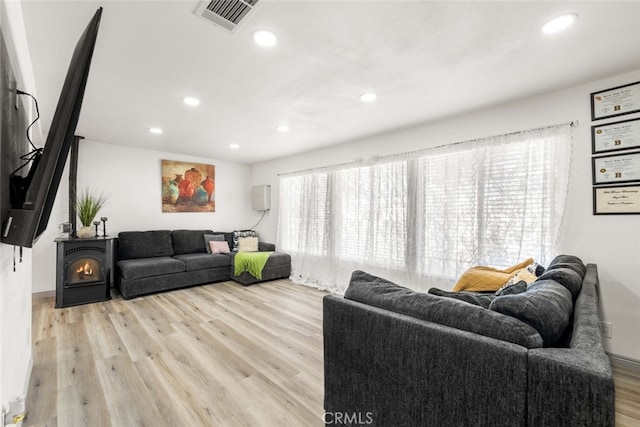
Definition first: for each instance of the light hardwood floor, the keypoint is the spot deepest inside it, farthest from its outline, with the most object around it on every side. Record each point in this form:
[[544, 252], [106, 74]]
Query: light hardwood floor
[[215, 355], [627, 397]]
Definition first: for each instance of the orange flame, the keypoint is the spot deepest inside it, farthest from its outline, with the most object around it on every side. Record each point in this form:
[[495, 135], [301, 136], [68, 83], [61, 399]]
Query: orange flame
[[85, 270]]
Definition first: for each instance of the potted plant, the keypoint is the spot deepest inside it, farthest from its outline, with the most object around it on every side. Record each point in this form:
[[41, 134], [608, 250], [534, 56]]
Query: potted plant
[[87, 207]]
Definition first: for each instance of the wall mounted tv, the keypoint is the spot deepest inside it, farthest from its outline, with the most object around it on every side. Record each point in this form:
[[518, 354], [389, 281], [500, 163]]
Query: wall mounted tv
[[24, 224]]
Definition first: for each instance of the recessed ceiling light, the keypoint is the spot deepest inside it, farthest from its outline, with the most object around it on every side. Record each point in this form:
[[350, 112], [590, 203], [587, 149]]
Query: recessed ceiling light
[[559, 23], [234, 146], [264, 38], [191, 101], [283, 128], [156, 131], [368, 97]]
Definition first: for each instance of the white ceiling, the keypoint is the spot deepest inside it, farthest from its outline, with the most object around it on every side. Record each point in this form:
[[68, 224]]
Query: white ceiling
[[424, 59]]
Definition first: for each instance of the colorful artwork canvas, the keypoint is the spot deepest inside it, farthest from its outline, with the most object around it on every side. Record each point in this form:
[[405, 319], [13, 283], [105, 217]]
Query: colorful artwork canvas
[[188, 187]]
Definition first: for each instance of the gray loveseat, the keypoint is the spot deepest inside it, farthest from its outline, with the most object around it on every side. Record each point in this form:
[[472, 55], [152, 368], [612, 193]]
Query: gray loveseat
[[395, 357], [160, 260]]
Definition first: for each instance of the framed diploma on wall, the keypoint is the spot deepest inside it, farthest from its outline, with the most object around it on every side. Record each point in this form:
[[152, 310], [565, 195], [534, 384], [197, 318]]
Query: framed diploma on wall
[[618, 200], [616, 168], [615, 136], [615, 101]]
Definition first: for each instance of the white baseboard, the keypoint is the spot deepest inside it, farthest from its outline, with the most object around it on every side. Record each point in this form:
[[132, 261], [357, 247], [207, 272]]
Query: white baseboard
[[25, 390], [43, 294], [624, 362]]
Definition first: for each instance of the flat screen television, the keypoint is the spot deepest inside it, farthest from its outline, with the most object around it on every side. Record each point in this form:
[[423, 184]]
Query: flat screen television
[[25, 224]]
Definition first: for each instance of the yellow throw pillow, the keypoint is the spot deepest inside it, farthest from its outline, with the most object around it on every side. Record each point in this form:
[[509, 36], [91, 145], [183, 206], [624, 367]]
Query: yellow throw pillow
[[482, 278]]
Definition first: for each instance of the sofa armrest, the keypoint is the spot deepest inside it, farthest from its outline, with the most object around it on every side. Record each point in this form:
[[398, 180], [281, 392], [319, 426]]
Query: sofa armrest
[[266, 247], [399, 370], [570, 387], [574, 386]]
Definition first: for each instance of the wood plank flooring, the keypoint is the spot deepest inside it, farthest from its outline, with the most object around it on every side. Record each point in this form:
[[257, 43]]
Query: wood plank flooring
[[214, 355], [627, 397]]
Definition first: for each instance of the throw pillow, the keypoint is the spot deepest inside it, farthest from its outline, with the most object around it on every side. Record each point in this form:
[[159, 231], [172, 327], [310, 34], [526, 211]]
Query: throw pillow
[[212, 237], [482, 278], [238, 234], [219, 247], [248, 244], [546, 306]]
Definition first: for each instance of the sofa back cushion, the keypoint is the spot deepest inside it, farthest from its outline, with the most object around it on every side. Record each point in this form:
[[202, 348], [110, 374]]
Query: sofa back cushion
[[378, 292], [189, 241], [567, 277], [144, 244], [475, 298], [568, 261], [546, 305]]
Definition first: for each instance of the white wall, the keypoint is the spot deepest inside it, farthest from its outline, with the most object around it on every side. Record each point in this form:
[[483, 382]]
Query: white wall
[[131, 177], [15, 286], [612, 242]]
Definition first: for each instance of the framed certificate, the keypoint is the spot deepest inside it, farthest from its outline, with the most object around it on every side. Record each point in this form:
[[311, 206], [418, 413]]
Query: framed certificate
[[618, 200], [616, 168], [615, 136], [615, 101]]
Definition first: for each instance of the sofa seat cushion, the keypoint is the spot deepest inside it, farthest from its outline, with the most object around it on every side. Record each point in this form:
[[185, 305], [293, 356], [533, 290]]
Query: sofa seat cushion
[[547, 306], [144, 244], [195, 262], [189, 241], [132, 269], [381, 293], [278, 258]]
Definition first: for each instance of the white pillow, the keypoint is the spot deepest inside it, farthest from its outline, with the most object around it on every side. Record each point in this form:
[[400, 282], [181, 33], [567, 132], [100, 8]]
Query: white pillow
[[248, 244]]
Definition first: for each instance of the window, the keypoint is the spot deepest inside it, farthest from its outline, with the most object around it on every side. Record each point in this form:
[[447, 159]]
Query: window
[[428, 216]]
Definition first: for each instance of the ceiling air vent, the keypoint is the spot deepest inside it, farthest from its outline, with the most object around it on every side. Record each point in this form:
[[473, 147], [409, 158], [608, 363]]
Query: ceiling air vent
[[226, 13]]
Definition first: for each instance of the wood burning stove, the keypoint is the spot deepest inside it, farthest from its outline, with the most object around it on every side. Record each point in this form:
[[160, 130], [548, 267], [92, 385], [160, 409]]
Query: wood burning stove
[[84, 269]]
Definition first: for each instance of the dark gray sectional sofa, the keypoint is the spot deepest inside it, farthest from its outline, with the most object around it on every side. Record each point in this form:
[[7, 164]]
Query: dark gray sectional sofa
[[160, 260], [402, 358]]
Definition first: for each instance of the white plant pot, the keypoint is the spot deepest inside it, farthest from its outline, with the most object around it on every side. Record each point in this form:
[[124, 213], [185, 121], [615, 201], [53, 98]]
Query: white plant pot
[[86, 232]]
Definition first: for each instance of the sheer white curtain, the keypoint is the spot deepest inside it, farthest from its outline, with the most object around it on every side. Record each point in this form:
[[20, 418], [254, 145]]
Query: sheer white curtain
[[422, 218]]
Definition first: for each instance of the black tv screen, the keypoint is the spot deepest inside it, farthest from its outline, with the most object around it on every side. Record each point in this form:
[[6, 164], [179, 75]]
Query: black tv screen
[[25, 224]]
